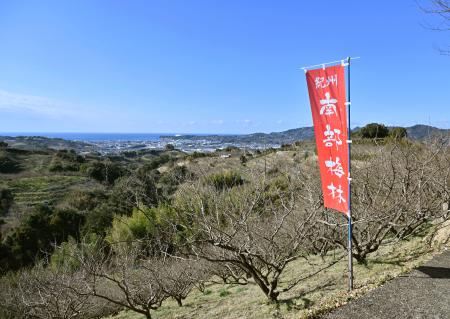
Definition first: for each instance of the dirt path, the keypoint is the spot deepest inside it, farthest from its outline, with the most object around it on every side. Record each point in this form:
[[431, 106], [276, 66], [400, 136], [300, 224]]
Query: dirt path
[[423, 293]]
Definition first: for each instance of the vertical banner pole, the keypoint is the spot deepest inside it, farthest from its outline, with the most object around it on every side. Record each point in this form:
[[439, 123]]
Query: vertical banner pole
[[349, 214], [323, 95]]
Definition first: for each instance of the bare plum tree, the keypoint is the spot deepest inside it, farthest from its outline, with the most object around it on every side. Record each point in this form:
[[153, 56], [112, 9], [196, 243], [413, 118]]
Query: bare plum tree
[[441, 9], [259, 227], [177, 276], [46, 292], [120, 278], [397, 190]]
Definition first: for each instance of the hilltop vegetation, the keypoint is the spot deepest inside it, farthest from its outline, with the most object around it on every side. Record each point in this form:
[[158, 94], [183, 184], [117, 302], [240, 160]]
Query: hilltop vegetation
[[86, 236]]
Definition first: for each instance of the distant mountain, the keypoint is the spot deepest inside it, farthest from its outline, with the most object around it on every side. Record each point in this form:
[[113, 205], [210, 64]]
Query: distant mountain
[[289, 136], [192, 142], [420, 131], [416, 132], [40, 142]]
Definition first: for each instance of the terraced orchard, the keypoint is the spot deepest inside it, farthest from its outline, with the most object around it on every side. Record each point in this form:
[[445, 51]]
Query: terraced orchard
[[40, 189]]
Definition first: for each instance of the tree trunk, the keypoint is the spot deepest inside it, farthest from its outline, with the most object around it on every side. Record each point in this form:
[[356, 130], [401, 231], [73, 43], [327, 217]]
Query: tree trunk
[[273, 294], [361, 258], [179, 301]]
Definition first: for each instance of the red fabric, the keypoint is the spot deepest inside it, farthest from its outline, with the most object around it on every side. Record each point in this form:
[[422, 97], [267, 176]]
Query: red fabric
[[327, 96]]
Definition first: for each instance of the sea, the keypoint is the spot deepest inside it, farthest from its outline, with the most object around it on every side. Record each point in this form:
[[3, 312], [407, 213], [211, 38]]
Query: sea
[[117, 142], [100, 137]]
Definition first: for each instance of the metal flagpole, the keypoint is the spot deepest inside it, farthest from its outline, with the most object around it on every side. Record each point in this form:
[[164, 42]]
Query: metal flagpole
[[349, 214], [305, 68]]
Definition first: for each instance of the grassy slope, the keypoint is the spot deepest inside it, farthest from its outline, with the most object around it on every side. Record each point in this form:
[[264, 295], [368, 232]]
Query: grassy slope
[[317, 294], [309, 299], [34, 184], [34, 190]]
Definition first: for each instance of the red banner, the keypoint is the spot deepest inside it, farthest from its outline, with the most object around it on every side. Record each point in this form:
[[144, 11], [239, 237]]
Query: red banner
[[326, 89]]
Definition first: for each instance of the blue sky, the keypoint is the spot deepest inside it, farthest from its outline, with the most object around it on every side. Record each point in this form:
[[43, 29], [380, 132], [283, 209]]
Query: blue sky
[[212, 66]]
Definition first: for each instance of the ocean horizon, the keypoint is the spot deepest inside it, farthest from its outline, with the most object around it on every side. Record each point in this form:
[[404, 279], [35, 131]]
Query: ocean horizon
[[100, 137]]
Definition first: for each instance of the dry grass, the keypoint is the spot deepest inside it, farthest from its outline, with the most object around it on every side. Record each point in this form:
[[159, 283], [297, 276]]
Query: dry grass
[[314, 296]]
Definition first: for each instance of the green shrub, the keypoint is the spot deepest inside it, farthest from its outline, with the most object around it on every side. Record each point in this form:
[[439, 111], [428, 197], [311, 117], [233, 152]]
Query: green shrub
[[243, 159], [224, 180], [224, 292], [105, 171], [69, 156], [145, 225], [8, 165], [62, 256], [197, 155], [137, 226], [37, 235], [398, 132], [374, 130], [275, 188], [129, 191], [207, 292], [170, 180], [65, 222], [99, 220], [6, 200], [86, 199], [58, 166]]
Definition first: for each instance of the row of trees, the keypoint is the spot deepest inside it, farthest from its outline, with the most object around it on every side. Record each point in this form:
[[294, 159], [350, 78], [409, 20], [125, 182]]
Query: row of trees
[[92, 281]]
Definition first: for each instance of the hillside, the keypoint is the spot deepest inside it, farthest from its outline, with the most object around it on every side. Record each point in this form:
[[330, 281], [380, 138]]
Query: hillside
[[39, 142], [190, 143], [132, 202], [420, 131], [416, 132]]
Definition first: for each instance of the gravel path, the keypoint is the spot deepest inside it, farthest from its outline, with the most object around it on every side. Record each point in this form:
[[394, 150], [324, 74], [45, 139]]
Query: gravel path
[[423, 293]]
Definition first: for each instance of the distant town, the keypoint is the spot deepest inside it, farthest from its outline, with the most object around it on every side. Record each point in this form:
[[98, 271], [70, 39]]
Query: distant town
[[189, 143]]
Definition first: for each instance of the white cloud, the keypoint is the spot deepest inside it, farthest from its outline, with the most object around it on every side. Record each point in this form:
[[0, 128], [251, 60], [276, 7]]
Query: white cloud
[[280, 122], [245, 123], [15, 102], [217, 122], [70, 114]]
